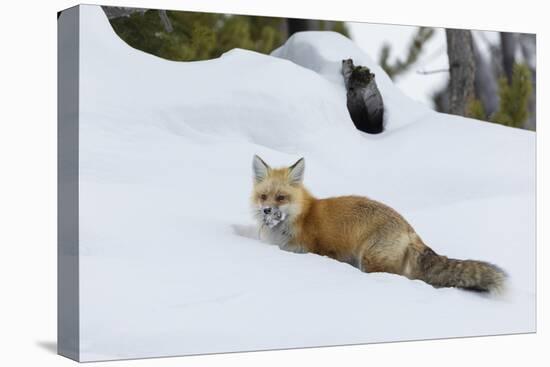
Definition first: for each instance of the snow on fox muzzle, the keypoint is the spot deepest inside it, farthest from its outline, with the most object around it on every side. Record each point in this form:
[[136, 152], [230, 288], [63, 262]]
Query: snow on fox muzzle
[[273, 216]]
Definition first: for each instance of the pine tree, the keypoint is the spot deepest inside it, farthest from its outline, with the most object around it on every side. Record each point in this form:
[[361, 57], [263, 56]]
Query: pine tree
[[475, 109], [197, 36], [514, 97]]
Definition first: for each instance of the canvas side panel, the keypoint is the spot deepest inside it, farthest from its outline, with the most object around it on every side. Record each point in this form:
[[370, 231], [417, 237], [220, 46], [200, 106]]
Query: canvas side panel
[[67, 186]]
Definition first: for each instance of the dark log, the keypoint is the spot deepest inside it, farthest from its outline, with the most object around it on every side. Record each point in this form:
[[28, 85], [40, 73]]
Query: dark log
[[364, 101]]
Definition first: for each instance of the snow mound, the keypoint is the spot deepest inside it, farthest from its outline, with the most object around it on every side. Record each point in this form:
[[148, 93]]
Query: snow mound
[[323, 53], [235, 96], [165, 175]]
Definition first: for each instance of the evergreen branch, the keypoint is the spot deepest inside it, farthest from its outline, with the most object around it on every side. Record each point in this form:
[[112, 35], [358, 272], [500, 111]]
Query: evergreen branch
[[415, 48]]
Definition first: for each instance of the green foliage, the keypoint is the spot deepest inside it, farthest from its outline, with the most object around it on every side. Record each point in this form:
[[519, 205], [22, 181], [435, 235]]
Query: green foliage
[[268, 40], [203, 41], [415, 49], [340, 27], [334, 26], [198, 36], [514, 100], [514, 97], [266, 33], [475, 109], [235, 33]]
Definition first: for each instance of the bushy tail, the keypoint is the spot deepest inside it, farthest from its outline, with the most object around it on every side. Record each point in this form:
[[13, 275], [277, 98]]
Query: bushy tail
[[440, 271]]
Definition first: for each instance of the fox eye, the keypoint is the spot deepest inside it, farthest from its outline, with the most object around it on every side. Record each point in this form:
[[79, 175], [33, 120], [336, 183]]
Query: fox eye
[[280, 197], [263, 196]]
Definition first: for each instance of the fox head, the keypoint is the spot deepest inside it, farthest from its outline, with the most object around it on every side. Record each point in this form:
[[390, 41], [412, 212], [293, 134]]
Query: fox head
[[278, 192]]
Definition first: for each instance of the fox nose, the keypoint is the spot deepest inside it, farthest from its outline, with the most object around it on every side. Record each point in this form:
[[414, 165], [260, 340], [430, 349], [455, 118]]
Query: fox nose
[[267, 210]]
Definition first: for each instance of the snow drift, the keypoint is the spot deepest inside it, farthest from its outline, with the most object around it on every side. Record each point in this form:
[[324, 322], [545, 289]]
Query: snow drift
[[165, 175]]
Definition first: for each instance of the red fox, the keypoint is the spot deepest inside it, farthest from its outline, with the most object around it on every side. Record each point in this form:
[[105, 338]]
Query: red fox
[[353, 229]]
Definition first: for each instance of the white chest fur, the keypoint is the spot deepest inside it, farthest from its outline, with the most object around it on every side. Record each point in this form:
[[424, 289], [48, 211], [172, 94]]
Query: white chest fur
[[281, 235]]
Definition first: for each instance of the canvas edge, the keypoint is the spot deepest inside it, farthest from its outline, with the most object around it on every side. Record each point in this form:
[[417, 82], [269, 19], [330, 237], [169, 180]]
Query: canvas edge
[[68, 325]]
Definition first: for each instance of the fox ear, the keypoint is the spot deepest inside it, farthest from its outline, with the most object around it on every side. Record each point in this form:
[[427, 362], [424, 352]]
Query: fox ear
[[296, 171], [259, 168]]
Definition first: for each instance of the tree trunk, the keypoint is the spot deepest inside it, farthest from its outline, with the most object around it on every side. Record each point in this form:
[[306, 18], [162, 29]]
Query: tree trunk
[[462, 70], [113, 12], [165, 21], [485, 84], [508, 44]]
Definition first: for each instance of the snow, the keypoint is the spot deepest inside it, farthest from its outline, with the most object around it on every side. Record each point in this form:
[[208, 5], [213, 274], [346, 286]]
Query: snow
[[167, 264]]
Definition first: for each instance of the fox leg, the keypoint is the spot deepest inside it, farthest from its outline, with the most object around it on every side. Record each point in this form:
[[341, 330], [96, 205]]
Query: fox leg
[[387, 255]]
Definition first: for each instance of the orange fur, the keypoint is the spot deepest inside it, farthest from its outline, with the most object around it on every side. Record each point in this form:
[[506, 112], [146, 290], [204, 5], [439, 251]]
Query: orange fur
[[359, 231]]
